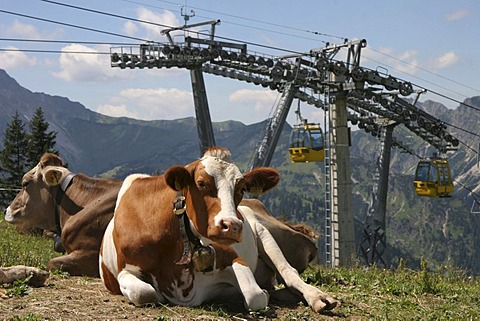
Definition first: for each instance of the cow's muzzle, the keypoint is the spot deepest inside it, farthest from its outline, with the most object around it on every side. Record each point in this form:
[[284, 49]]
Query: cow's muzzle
[[9, 215], [227, 231]]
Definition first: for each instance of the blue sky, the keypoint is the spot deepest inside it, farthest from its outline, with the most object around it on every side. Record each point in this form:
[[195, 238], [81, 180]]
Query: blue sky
[[431, 43]]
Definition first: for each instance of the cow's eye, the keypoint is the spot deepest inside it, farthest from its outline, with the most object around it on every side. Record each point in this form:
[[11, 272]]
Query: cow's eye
[[202, 185], [25, 184]]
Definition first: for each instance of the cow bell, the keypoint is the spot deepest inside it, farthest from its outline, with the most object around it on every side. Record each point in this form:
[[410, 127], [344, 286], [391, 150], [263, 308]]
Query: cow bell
[[203, 258]]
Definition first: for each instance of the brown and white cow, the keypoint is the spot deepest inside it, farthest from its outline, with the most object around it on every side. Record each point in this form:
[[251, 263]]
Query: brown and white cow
[[34, 207], [83, 212], [163, 223]]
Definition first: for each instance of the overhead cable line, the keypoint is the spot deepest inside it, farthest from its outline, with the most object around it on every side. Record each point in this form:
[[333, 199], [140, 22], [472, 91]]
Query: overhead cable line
[[55, 51], [327, 35], [468, 189], [250, 43], [285, 50], [69, 41], [471, 148], [276, 48], [143, 21], [413, 76], [269, 30], [234, 23], [423, 69], [459, 128], [107, 14], [428, 89], [454, 100], [71, 25], [166, 26], [260, 21]]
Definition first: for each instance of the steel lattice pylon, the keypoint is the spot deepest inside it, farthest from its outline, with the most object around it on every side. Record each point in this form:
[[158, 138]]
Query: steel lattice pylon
[[365, 95]]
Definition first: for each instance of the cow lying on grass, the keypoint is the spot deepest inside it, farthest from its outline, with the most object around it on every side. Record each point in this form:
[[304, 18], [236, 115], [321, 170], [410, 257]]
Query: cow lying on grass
[[77, 207], [182, 237], [87, 206]]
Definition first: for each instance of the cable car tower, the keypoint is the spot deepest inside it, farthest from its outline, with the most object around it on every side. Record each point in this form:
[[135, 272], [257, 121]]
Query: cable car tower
[[350, 93], [202, 111], [374, 241]]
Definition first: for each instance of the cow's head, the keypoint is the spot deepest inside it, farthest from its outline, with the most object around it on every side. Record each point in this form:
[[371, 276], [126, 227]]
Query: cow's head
[[214, 187], [33, 207]]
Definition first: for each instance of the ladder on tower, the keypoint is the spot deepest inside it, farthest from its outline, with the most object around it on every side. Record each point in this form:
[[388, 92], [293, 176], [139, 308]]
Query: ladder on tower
[[331, 221], [328, 206]]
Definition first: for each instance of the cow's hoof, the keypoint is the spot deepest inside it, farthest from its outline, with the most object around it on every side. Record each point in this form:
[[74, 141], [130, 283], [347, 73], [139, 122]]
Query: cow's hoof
[[323, 304], [331, 303], [318, 306], [258, 301]]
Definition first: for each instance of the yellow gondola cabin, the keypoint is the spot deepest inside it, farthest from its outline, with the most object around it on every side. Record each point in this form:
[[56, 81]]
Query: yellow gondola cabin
[[433, 178], [307, 143]]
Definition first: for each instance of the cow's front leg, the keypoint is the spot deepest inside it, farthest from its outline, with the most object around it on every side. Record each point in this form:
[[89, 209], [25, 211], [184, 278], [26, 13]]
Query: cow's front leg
[[235, 271], [137, 291], [315, 298], [255, 298], [81, 263]]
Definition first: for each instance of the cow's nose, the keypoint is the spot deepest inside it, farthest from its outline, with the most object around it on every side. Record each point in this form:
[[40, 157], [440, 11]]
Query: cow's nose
[[231, 226]]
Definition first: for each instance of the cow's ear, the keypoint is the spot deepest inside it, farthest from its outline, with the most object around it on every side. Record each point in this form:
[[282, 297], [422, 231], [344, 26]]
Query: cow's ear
[[49, 159], [261, 179], [52, 176], [178, 177]]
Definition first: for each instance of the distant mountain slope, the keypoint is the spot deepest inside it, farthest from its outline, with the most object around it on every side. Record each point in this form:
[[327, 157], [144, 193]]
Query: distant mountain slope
[[443, 231], [94, 143]]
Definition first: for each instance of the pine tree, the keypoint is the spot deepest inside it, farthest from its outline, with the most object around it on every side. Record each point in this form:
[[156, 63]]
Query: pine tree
[[13, 157], [40, 140]]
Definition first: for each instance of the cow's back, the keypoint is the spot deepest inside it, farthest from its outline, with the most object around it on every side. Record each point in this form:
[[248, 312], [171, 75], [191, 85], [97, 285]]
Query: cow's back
[[86, 217]]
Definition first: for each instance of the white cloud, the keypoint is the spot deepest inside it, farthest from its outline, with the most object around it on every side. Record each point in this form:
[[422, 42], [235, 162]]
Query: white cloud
[[166, 18], [263, 100], [444, 61], [457, 15], [405, 61], [116, 111], [15, 59], [25, 30], [130, 28], [82, 63], [150, 104], [20, 29]]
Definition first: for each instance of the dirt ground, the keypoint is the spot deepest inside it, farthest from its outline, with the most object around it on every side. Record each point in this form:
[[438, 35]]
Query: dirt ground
[[81, 298]]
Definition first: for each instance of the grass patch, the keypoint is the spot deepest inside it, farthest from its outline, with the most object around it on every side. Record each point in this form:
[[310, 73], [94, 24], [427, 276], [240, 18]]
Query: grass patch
[[24, 249], [19, 288], [401, 294], [445, 293]]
